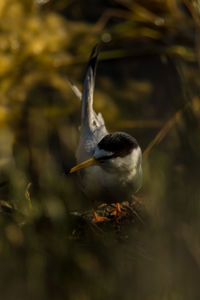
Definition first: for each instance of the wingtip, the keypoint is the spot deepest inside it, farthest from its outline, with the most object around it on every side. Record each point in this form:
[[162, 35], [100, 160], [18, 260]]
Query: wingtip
[[88, 89], [95, 51], [94, 57]]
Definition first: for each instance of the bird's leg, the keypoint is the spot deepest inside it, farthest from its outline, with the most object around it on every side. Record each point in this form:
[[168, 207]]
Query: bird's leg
[[96, 218], [117, 211]]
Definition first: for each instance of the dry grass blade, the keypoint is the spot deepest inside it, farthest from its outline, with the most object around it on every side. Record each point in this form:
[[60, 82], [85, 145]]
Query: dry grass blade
[[162, 133], [107, 15], [27, 195], [165, 129], [5, 204], [193, 11]]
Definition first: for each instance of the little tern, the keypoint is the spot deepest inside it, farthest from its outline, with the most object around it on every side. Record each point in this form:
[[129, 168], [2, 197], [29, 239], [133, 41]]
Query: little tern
[[109, 164]]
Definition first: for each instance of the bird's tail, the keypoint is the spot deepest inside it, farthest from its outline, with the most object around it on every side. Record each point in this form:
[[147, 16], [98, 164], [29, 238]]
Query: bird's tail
[[87, 113]]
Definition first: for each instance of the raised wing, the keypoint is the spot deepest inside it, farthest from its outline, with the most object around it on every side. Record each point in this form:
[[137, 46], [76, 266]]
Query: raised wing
[[92, 128]]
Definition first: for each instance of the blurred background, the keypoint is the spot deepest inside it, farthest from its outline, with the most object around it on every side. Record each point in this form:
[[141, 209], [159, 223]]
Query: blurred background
[[147, 82]]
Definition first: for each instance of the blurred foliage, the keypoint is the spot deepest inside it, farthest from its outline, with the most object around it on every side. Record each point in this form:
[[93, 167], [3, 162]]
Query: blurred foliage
[[147, 80]]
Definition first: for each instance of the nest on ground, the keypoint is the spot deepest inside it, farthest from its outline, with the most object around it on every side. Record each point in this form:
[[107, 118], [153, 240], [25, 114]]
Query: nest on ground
[[131, 215], [82, 225]]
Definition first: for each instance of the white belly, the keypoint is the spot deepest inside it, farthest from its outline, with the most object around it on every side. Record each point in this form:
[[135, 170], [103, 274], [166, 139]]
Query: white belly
[[102, 186]]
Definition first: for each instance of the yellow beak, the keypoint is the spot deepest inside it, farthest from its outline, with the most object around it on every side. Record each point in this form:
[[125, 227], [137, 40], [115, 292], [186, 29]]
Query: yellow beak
[[90, 162]]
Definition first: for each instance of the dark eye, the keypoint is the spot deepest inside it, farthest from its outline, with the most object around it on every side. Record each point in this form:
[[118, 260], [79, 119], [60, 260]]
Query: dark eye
[[104, 158]]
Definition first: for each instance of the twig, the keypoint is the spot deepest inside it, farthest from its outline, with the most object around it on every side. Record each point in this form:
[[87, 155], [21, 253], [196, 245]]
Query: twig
[[166, 128]]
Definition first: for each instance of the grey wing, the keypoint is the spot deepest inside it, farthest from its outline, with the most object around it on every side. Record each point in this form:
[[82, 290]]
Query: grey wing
[[92, 128], [74, 88], [98, 119]]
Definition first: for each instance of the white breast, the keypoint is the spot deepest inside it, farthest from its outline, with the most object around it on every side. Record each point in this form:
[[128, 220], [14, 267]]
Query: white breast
[[116, 186]]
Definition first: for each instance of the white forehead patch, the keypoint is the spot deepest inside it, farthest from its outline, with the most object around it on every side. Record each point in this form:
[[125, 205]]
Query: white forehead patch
[[101, 153]]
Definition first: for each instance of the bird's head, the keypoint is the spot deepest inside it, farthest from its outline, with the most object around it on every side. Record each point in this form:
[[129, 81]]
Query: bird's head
[[116, 152]]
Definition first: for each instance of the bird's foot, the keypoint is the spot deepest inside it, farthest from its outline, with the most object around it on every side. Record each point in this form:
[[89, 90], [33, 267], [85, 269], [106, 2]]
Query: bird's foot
[[117, 211], [96, 218]]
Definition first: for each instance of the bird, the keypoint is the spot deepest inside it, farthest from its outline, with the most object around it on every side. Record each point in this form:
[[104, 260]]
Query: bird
[[109, 164]]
